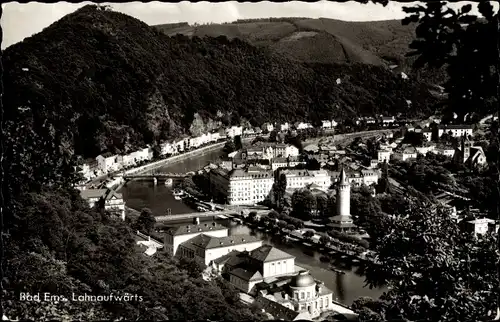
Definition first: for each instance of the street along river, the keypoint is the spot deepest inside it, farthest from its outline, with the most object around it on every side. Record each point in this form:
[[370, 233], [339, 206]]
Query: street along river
[[346, 287]]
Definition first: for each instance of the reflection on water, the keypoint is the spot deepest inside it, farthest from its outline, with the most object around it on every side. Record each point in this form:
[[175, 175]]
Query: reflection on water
[[347, 288]]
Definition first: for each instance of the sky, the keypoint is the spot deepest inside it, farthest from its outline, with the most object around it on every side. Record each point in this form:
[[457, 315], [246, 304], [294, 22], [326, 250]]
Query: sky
[[23, 20]]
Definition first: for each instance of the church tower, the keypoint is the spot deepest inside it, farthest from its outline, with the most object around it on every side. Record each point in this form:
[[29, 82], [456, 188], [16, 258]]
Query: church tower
[[465, 148], [343, 195]]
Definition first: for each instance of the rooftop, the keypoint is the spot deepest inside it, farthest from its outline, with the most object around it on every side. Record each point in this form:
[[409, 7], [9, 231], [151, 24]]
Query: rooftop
[[268, 253], [247, 274], [191, 229], [456, 127], [93, 193], [209, 242]]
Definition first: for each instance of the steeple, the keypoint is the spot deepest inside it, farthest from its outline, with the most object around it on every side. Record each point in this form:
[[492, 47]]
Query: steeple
[[343, 177]]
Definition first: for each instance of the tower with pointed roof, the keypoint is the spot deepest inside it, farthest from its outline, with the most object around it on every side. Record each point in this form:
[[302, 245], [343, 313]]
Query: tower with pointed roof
[[343, 195]]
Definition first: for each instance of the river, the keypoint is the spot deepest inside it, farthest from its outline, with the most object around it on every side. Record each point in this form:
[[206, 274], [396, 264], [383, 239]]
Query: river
[[347, 287]]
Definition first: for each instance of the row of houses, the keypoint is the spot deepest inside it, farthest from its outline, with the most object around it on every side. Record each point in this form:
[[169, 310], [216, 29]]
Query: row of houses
[[108, 163], [380, 119], [254, 184], [456, 131], [467, 152]]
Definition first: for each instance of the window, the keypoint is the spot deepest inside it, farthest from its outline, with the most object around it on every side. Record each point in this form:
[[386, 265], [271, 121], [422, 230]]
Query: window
[[302, 295]]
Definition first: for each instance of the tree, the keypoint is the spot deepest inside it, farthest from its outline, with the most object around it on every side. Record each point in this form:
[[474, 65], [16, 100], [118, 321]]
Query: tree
[[229, 147], [238, 145], [321, 205], [383, 185], [414, 138], [324, 240], [273, 136], [308, 234], [433, 270], [146, 221], [303, 203], [455, 39], [312, 164], [280, 190]]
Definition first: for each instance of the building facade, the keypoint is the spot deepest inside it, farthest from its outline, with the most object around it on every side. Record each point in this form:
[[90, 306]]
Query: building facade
[[298, 179]]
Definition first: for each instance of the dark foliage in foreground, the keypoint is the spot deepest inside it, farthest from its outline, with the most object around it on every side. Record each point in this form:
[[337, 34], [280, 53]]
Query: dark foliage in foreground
[[56, 244]]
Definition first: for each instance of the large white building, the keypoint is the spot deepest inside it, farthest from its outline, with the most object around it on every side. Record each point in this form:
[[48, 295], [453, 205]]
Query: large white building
[[242, 187], [205, 242], [298, 179], [176, 235], [205, 248]]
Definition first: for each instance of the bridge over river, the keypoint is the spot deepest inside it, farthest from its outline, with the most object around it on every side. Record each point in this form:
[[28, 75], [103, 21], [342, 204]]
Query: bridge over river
[[207, 214]]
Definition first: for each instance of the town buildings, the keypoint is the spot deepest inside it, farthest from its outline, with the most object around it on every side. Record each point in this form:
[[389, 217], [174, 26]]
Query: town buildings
[[455, 130], [472, 156], [404, 153], [271, 276], [360, 177]]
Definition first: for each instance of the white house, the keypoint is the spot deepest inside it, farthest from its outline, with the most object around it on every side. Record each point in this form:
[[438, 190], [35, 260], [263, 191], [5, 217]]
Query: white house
[[214, 136], [425, 149], [427, 133], [277, 163], [107, 162], [456, 130], [267, 127], [445, 150], [388, 120], [179, 145], [234, 131], [383, 155], [482, 226], [248, 131], [284, 126], [405, 154], [166, 148], [113, 201], [326, 124], [302, 126]]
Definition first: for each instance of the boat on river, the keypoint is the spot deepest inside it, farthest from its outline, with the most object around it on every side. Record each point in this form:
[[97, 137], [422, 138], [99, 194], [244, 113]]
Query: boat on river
[[336, 270], [178, 194]]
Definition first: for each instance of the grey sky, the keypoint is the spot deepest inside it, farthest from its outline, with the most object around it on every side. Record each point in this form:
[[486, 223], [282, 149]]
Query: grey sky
[[23, 20]]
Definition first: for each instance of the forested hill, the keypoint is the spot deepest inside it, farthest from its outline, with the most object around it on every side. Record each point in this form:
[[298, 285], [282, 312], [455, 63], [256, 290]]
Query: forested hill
[[381, 43], [100, 80]]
